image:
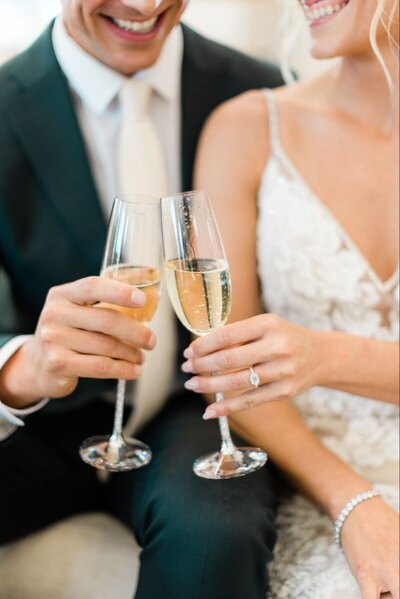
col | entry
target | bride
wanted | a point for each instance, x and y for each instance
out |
(304, 182)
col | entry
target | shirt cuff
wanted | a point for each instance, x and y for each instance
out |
(9, 417)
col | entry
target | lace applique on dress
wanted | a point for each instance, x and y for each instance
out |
(313, 275)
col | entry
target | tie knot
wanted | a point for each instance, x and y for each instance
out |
(135, 99)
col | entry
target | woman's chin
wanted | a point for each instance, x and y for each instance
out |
(326, 51)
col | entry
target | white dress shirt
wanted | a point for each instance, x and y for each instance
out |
(94, 88)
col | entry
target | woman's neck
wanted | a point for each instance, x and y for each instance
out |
(360, 88)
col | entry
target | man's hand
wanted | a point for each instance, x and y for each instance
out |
(75, 339)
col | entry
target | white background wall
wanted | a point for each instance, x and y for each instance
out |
(250, 25)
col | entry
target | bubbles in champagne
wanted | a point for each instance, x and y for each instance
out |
(200, 291)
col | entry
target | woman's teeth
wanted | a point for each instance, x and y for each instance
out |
(317, 11)
(136, 26)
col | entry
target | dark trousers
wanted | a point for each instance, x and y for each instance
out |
(201, 539)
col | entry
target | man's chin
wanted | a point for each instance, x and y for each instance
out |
(138, 63)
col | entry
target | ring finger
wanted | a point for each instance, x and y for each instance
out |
(237, 357)
(238, 380)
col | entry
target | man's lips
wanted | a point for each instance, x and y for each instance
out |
(136, 27)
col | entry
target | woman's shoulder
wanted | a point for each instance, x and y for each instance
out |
(246, 115)
(237, 114)
(237, 132)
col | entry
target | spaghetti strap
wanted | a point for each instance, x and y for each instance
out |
(274, 137)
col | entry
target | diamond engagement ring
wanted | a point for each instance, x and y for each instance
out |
(254, 378)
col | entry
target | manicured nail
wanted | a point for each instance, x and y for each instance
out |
(209, 414)
(188, 353)
(187, 366)
(192, 384)
(138, 297)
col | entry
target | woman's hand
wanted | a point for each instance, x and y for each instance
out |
(287, 358)
(370, 541)
(74, 339)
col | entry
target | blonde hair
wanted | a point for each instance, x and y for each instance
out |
(387, 19)
(292, 25)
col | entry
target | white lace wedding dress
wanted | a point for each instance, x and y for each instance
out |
(313, 275)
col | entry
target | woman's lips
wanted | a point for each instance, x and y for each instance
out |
(319, 12)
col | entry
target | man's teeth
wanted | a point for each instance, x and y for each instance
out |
(316, 11)
(136, 26)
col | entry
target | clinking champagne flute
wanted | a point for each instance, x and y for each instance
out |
(198, 282)
(133, 254)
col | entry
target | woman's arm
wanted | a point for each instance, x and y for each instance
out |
(232, 157)
(289, 358)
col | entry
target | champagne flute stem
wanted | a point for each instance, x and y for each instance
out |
(227, 447)
(119, 412)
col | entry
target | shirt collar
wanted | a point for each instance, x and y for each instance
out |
(97, 84)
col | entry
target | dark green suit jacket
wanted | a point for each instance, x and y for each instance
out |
(51, 227)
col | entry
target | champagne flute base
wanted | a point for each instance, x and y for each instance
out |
(219, 465)
(128, 455)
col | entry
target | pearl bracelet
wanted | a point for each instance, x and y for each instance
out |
(349, 507)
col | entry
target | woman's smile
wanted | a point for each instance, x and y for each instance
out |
(318, 12)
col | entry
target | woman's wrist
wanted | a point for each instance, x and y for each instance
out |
(333, 353)
(342, 494)
(351, 505)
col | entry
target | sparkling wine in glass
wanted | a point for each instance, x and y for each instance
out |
(133, 255)
(198, 282)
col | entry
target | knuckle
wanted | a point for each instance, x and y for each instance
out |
(247, 402)
(291, 368)
(89, 284)
(108, 320)
(288, 389)
(53, 293)
(145, 336)
(272, 320)
(67, 385)
(111, 346)
(138, 357)
(225, 361)
(47, 334)
(129, 372)
(236, 382)
(48, 315)
(103, 366)
(224, 336)
(55, 362)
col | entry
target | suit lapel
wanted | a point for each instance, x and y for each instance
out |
(45, 124)
(196, 102)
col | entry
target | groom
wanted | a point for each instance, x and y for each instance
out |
(60, 119)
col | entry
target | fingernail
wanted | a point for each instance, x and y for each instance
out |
(138, 297)
(192, 384)
(152, 341)
(187, 366)
(188, 353)
(209, 414)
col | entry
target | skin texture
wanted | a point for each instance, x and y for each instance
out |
(87, 23)
(356, 119)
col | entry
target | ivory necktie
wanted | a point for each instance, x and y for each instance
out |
(140, 160)
(141, 169)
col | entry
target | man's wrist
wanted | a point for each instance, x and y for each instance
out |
(17, 388)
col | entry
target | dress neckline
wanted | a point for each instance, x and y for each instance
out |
(278, 153)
